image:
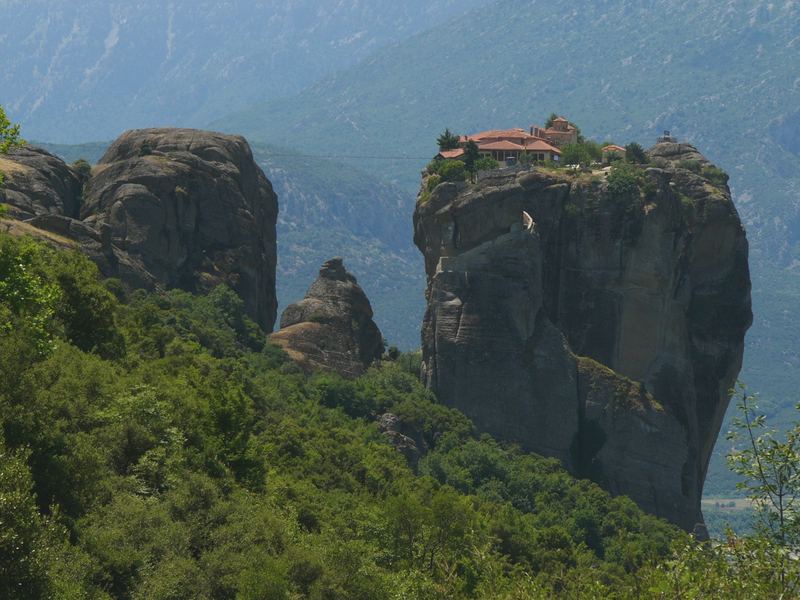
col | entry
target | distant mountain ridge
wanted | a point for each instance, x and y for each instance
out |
(76, 71)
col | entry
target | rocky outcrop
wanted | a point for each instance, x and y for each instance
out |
(38, 183)
(332, 327)
(407, 440)
(608, 335)
(163, 208)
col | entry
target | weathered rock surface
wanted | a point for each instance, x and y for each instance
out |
(38, 183)
(332, 327)
(163, 208)
(609, 335)
(407, 441)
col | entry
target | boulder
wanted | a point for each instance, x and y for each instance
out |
(332, 327)
(38, 183)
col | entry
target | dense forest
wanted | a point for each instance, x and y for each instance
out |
(153, 446)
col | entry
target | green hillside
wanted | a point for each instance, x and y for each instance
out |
(173, 455)
(153, 447)
(723, 76)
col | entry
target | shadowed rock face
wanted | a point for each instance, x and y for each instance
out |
(332, 327)
(163, 208)
(609, 335)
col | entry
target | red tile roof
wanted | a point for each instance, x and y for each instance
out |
(614, 148)
(451, 153)
(501, 145)
(516, 139)
(542, 146)
(496, 133)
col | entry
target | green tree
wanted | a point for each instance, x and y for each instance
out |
(634, 153)
(28, 298)
(9, 133)
(22, 572)
(770, 470)
(471, 156)
(594, 149)
(447, 140)
(575, 154)
(9, 136)
(550, 120)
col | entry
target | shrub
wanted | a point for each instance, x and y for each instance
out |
(623, 181)
(432, 182)
(433, 167)
(715, 175)
(83, 168)
(486, 163)
(690, 165)
(453, 170)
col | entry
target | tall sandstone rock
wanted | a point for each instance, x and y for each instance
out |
(332, 327)
(164, 208)
(608, 335)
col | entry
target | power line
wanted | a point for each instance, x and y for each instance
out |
(345, 156)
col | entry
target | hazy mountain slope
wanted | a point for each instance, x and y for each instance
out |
(85, 69)
(722, 75)
(329, 209)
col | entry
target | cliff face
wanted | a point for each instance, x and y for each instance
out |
(163, 208)
(332, 327)
(606, 336)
